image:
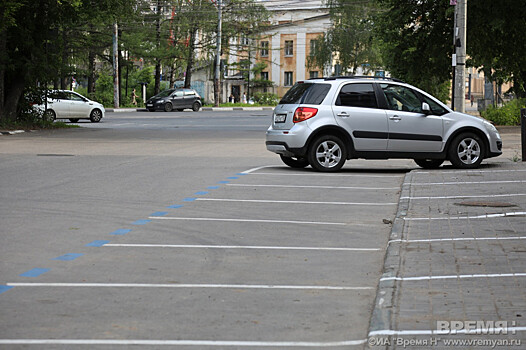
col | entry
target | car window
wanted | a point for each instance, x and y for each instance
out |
(74, 97)
(307, 93)
(357, 95)
(57, 95)
(436, 109)
(165, 93)
(189, 93)
(401, 98)
(178, 94)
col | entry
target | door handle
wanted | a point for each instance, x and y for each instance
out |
(395, 117)
(343, 114)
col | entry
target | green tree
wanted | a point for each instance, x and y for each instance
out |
(417, 42)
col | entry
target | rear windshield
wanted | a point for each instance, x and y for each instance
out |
(307, 93)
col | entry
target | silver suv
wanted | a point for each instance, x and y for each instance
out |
(323, 122)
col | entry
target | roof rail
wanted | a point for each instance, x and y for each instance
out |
(359, 77)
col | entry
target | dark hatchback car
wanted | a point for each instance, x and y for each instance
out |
(175, 99)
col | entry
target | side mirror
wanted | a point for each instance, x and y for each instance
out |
(426, 109)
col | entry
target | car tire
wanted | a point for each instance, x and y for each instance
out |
(151, 110)
(466, 151)
(49, 115)
(429, 163)
(196, 106)
(74, 120)
(168, 107)
(327, 153)
(95, 116)
(295, 162)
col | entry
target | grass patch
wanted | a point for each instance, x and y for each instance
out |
(34, 125)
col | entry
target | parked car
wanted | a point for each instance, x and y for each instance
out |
(175, 99)
(65, 104)
(324, 122)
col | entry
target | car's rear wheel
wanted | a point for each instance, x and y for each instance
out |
(466, 151)
(327, 153)
(168, 107)
(429, 163)
(196, 106)
(295, 162)
(95, 116)
(73, 120)
(50, 115)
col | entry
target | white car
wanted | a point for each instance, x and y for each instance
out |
(65, 104)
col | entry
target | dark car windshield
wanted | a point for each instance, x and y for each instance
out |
(165, 93)
(307, 93)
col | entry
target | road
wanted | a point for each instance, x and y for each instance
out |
(179, 230)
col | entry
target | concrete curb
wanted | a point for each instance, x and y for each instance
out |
(381, 318)
(214, 109)
(13, 132)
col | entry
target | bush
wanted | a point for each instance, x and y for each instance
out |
(266, 99)
(508, 114)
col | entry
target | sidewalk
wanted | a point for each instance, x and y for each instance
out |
(456, 258)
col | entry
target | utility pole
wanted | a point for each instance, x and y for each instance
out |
(115, 66)
(459, 97)
(217, 75)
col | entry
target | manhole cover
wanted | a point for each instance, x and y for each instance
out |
(486, 204)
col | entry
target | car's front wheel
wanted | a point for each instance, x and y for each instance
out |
(168, 107)
(294, 162)
(466, 151)
(50, 115)
(196, 106)
(327, 153)
(95, 116)
(429, 163)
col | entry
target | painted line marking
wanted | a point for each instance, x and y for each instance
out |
(258, 168)
(141, 222)
(474, 196)
(159, 213)
(492, 330)
(213, 187)
(189, 199)
(121, 231)
(98, 243)
(426, 278)
(233, 177)
(288, 202)
(5, 289)
(241, 174)
(68, 257)
(175, 206)
(34, 272)
(241, 247)
(222, 343)
(200, 193)
(455, 239)
(327, 175)
(249, 220)
(485, 216)
(326, 187)
(463, 183)
(224, 286)
(223, 182)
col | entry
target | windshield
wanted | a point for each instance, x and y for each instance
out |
(307, 93)
(165, 93)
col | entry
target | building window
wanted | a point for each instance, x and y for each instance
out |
(288, 79)
(313, 44)
(313, 74)
(289, 48)
(244, 40)
(264, 49)
(264, 75)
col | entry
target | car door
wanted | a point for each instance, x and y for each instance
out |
(58, 101)
(410, 129)
(356, 110)
(189, 98)
(177, 99)
(79, 107)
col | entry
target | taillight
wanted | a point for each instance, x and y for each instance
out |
(304, 113)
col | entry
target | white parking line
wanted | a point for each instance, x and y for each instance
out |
(182, 286)
(484, 216)
(240, 247)
(289, 202)
(329, 175)
(463, 183)
(427, 278)
(326, 187)
(492, 330)
(256, 169)
(455, 239)
(473, 196)
(469, 171)
(222, 343)
(248, 220)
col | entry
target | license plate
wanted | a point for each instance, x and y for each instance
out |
(280, 118)
(149, 105)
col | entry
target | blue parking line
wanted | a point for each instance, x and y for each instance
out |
(141, 222)
(241, 174)
(69, 257)
(175, 206)
(200, 193)
(121, 231)
(189, 199)
(34, 272)
(233, 177)
(223, 182)
(213, 187)
(98, 243)
(159, 213)
(4, 288)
